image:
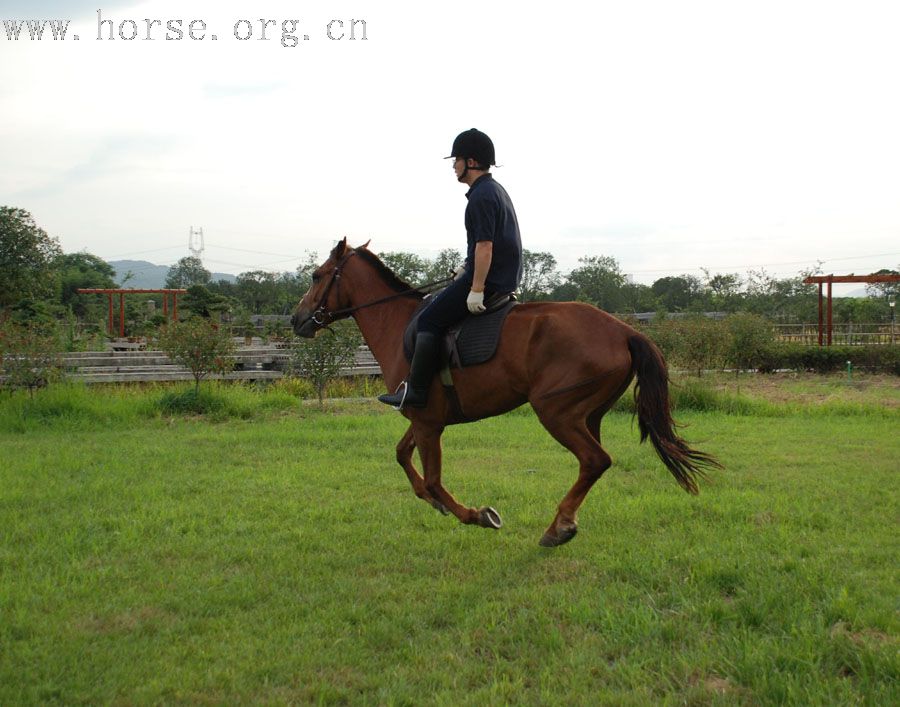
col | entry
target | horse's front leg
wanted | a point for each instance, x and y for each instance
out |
(428, 441)
(405, 448)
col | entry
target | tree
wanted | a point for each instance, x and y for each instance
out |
(33, 313)
(26, 258)
(637, 298)
(289, 288)
(599, 281)
(724, 291)
(29, 356)
(200, 301)
(861, 310)
(199, 345)
(539, 275)
(186, 272)
(443, 265)
(407, 266)
(258, 291)
(305, 271)
(676, 293)
(887, 290)
(781, 299)
(82, 270)
(321, 358)
(565, 291)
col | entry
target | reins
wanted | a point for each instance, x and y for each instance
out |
(323, 317)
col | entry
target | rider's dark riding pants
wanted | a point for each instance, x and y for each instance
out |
(447, 307)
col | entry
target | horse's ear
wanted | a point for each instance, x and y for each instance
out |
(366, 244)
(340, 249)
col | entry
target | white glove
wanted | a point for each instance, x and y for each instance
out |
(475, 302)
(458, 273)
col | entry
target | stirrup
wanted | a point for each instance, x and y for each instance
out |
(405, 387)
(389, 398)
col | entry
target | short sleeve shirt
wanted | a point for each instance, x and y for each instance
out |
(490, 216)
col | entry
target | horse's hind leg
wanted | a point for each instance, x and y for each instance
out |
(581, 436)
(405, 448)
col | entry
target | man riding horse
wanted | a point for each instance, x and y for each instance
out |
(493, 264)
(569, 360)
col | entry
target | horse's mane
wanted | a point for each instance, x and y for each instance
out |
(389, 276)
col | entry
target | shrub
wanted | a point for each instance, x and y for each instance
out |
(750, 340)
(666, 336)
(192, 401)
(297, 387)
(697, 343)
(29, 356)
(705, 343)
(828, 359)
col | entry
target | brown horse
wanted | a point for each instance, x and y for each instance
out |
(571, 361)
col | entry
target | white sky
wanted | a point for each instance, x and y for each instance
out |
(669, 135)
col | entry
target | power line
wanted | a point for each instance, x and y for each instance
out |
(285, 258)
(141, 252)
(765, 265)
(261, 266)
(258, 252)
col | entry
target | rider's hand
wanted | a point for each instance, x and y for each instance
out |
(475, 302)
(458, 273)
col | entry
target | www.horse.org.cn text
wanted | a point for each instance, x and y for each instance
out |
(290, 32)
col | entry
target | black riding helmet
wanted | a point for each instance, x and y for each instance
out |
(475, 144)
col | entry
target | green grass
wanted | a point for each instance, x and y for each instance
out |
(808, 390)
(283, 558)
(695, 395)
(80, 407)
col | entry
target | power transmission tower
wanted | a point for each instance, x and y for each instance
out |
(195, 241)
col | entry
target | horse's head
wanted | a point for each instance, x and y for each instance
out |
(325, 297)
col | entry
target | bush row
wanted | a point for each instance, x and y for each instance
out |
(747, 342)
(826, 359)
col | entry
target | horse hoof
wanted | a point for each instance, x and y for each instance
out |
(438, 506)
(489, 518)
(561, 538)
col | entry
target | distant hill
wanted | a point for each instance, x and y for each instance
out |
(148, 276)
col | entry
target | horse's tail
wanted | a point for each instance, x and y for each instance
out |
(651, 397)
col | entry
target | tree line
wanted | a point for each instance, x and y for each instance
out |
(38, 280)
(598, 280)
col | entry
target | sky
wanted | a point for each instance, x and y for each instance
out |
(672, 136)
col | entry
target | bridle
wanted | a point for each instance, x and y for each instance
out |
(322, 317)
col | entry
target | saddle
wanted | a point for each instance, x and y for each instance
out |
(472, 341)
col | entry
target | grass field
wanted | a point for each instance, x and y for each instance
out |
(278, 555)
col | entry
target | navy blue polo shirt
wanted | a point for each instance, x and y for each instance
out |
(490, 216)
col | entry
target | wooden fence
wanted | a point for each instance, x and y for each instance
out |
(845, 334)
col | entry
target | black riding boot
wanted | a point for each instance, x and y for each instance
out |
(413, 392)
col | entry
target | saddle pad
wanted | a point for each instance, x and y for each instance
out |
(472, 341)
(477, 336)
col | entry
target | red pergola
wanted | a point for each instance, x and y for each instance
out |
(110, 292)
(829, 279)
